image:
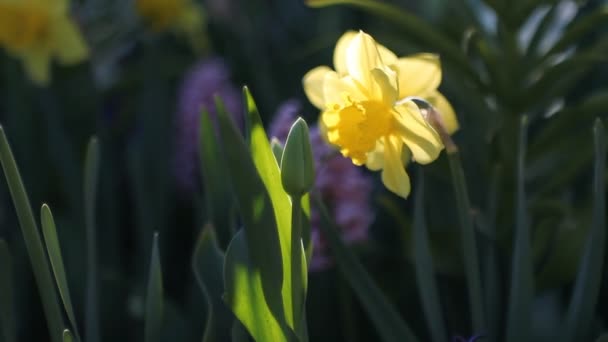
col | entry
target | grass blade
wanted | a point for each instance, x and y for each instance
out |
(469, 242)
(587, 286)
(7, 306)
(67, 336)
(33, 242)
(207, 264)
(54, 251)
(154, 297)
(91, 175)
(522, 282)
(425, 277)
(381, 312)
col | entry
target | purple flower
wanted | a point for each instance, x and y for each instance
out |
(205, 80)
(342, 186)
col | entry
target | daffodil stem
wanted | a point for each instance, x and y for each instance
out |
(297, 291)
(469, 242)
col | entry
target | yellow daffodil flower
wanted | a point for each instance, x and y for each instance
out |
(36, 31)
(182, 16)
(367, 109)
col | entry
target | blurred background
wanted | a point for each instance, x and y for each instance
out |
(151, 65)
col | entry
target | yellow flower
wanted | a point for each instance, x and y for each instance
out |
(183, 16)
(36, 31)
(367, 109)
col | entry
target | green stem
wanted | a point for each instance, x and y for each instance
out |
(469, 242)
(296, 264)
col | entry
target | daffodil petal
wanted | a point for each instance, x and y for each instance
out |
(37, 65)
(387, 56)
(394, 176)
(70, 47)
(361, 57)
(443, 106)
(384, 86)
(336, 88)
(421, 139)
(340, 52)
(418, 75)
(313, 85)
(375, 158)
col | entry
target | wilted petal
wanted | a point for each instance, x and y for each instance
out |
(313, 85)
(421, 139)
(394, 176)
(448, 116)
(418, 75)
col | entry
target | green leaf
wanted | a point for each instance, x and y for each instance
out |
(425, 277)
(579, 29)
(468, 241)
(213, 169)
(91, 175)
(238, 332)
(490, 260)
(54, 251)
(244, 294)
(154, 297)
(7, 306)
(207, 264)
(522, 282)
(381, 311)
(256, 210)
(33, 242)
(587, 286)
(414, 28)
(67, 336)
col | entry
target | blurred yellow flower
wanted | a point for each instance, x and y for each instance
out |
(36, 31)
(182, 16)
(367, 109)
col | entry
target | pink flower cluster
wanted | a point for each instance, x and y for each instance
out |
(205, 80)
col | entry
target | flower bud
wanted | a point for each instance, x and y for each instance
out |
(297, 168)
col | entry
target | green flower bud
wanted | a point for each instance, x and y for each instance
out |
(297, 168)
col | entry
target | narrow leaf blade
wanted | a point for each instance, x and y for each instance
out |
(51, 240)
(381, 312)
(154, 297)
(33, 242)
(522, 286)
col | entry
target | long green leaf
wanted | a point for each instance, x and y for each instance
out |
(381, 312)
(54, 250)
(425, 277)
(33, 242)
(244, 294)
(154, 297)
(415, 28)
(7, 306)
(91, 175)
(587, 287)
(468, 241)
(217, 197)
(256, 210)
(580, 28)
(208, 264)
(522, 282)
(269, 172)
